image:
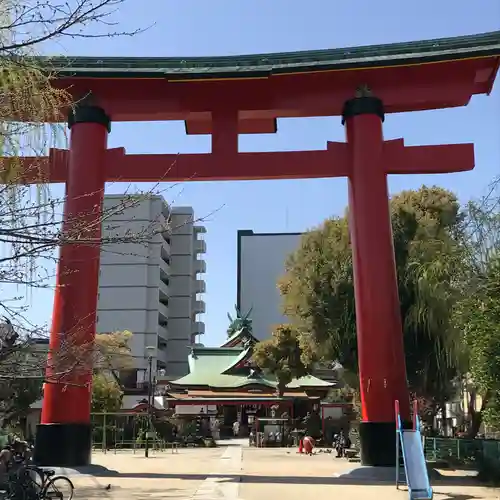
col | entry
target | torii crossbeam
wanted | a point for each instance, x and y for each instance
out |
(331, 162)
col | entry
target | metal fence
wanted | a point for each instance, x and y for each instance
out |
(112, 431)
(462, 450)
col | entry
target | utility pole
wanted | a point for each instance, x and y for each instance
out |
(150, 410)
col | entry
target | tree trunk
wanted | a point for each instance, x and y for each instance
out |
(475, 416)
(444, 418)
(476, 419)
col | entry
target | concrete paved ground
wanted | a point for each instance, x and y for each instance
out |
(162, 475)
(236, 472)
(274, 473)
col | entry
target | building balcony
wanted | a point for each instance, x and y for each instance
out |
(164, 270)
(163, 292)
(199, 286)
(165, 247)
(161, 351)
(198, 328)
(200, 246)
(199, 306)
(163, 311)
(165, 252)
(162, 334)
(199, 229)
(161, 355)
(200, 266)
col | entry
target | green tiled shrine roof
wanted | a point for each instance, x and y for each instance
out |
(208, 364)
(283, 62)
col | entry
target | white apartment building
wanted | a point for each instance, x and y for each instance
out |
(150, 281)
(261, 261)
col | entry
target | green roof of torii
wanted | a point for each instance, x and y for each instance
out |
(211, 366)
(262, 65)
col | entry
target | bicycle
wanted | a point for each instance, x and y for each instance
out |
(34, 483)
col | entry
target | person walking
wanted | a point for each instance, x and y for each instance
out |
(236, 429)
(215, 429)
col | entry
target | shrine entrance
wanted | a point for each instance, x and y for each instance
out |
(228, 96)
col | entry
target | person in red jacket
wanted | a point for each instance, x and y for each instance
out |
(309, 444)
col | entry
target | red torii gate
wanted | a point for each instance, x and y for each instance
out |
(366, 159)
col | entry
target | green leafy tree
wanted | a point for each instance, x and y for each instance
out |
(112, 355)
(17, 397)
(283, 356)
(318, 289)
(21, 374)
(113, 351)
(107, 395)
(477, 315)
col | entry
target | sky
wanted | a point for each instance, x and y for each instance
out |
(228, 27)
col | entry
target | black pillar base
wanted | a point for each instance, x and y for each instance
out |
(63, 445)
(378, 443)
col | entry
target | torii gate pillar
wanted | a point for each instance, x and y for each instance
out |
(381, 357)
(64, 437)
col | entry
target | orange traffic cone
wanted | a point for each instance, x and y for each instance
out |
(301, 447)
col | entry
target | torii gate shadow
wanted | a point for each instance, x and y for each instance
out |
(356, 476)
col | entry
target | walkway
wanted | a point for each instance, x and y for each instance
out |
(236, 472)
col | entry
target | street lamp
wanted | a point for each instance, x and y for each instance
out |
(151, 351)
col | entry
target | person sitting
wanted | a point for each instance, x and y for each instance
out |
(309, 444)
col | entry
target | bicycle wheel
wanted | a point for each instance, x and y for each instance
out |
(25, 484)
(34, 475)
(58, 488)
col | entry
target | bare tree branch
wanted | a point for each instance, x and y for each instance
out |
(29, 23)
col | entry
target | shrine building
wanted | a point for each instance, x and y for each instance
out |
(224, 380)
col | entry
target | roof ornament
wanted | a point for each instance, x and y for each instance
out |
(239, 322)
